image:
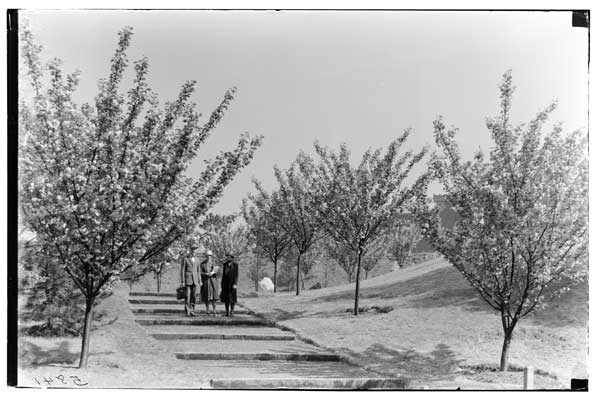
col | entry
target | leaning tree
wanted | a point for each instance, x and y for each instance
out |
(521, 235)
(104, 186)
(357, 204)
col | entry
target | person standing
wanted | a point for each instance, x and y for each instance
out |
(208, 275)
(190, 269)
(229, 284)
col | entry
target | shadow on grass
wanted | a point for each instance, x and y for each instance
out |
(441, 363)
(33, 354)
(36, 355)
(282, 315)
(279, 315)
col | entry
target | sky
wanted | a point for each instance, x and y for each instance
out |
(357, 77)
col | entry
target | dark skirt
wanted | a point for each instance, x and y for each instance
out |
(229, 296)
(208, 291)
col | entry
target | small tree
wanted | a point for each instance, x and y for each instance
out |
(255, 270)
(342, 256)
(104, 193)
(521, 236)
(53, 301)
(307, 262)
(298, 217)
(374, 253)
(161, 261)
(223, 236)
(264, 215)
(287, 276)
(357, 204)
(346, 258)
(158, 270)
(403, 238)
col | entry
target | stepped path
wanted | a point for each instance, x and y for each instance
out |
(245, 351)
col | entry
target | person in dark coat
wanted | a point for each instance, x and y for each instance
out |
(190, 271)
(229, 284)
(208, 275)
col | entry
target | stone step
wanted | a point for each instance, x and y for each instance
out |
(259, 356)
(167, 302)
(199, 315)
(311, 383)
(215, 329)
(154, 294)
(218, 336)
(165, 320)
(146, 300)
(179, 310)
(243, 350)
(252, 369)
(239, 346)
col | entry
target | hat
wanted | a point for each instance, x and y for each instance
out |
(208, 253)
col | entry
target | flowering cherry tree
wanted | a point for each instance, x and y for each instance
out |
(356, 205)
(521, 236)
(309, 260)
(158, 263)
(223, 236)
(403, 238)
(299, 219)
(346, 258)
(374, 252)
(264, 215)
(104, 186)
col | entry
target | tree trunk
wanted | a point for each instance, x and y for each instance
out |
(87, 328)
(298, 275)
(357, 283)
(158, 281)
(275, 276)
(366, 274)
(256, 276)
(508, 331)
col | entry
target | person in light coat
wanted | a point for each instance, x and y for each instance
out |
(208, 276)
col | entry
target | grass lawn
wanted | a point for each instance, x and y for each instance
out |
(440, 333)
(122, 355)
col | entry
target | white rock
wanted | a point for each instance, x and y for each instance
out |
(266, 285)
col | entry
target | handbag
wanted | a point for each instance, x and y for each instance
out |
(180, 292)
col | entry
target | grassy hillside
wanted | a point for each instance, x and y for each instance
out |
(439, 330)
